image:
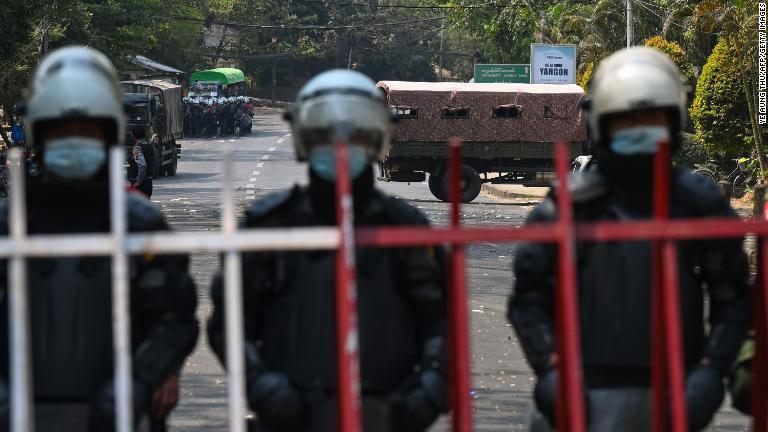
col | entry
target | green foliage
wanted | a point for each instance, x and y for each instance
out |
(584, 76)
(719, 111)
(676, 53)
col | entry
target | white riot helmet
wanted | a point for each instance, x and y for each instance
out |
(633, 79)
(79, 83)
(340, 97)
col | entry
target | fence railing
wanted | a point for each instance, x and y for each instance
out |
(666, 361)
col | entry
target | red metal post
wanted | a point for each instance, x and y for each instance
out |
(457, 307)
(570, 392)
(667, 352)
(347, 362)
(759, 388)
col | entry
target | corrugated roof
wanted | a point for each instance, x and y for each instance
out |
(478, 87)
(151, 64)
(152, 83)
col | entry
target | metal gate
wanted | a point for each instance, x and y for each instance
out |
(667, 363)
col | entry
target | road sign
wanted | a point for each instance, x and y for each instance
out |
(502, 73)
(553, 64)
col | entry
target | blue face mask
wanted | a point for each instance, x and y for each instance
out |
(638, 140)
(74, 158)
(322, 160)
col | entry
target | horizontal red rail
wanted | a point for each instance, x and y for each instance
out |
(681, 229)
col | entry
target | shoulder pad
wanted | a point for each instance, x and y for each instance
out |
(698, 194)
(584, 186)
(401, 212)
(143, 215)
(271, 203)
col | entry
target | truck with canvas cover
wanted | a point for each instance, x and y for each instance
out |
(156, 105)
(509, 132)
(216, 83)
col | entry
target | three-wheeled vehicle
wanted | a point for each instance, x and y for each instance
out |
(509, 132)
(156, 105)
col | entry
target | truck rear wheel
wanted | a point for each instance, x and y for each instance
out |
(435, 183)
(470, 185)
(174, 165)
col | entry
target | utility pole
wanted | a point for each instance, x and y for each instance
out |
(440, 72)
(349, 57)
(630, 32)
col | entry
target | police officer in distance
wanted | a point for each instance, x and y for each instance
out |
(638, 103)
(74, 115)
(289, 296)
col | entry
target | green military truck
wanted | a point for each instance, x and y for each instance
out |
(156, 105)
(509, 132)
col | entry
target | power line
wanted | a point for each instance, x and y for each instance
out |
(306, 27)
(490, 4)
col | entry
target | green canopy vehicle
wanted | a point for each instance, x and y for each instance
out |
(217, 83)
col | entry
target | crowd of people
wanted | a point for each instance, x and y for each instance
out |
(217, 117)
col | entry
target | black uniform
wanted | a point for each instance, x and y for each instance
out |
(71, 311)
(289, 313)
(614, 280)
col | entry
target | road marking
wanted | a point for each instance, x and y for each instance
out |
(231, 140)
(253, 179)
(265, 157)
(281, 140)
(219, 140)
(273, 148)
(288, 134)
(250, 185)
(260, 164)
(255, 173)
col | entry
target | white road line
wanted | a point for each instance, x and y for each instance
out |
(288, 134)
(265, 157)
(273, 148)
(253, 179)
(260, 164)
(256, 173)
(219, 140)
(231, 140)
(281, 140)
(250, 185)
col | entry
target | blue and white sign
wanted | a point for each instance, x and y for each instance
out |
(553, 64)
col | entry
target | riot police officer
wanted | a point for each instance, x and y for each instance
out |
(74, 115)
(638, 102)
(288, 296)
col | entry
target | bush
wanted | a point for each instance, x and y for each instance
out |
(676, 53)
(585, 75)
(719, 111)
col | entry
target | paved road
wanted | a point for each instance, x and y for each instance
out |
(264, 163)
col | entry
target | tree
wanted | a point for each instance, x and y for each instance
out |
(676, 53)
(736, 20)
(719, 112)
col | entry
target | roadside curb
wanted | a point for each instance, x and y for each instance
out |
(495, 191)
(268, 103)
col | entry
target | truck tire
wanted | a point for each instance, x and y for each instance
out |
(172, 167)
(470, 185)
(435, 183)
(158, 164)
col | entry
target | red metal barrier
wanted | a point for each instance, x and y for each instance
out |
(667, 366)
(570, 412)
(346, 300)
(759, 389)
(668, 372)
(459, 380)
